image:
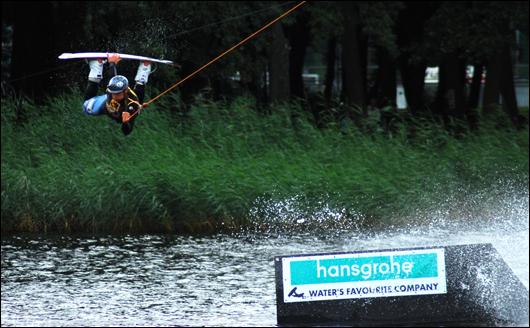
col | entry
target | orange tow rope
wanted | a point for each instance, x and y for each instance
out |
(221, 55)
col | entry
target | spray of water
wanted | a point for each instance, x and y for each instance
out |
(294, 214)
(504, 204)
(498, 215)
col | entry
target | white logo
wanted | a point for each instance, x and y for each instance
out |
(119, 84)
(89, 104)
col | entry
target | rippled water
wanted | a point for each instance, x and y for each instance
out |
(219, 280)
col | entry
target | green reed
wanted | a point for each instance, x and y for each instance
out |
(183, 168)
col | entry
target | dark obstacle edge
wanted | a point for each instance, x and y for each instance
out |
(482, 290)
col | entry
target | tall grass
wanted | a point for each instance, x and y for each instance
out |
(218, 161)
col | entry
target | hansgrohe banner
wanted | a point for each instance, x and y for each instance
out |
(362, 275)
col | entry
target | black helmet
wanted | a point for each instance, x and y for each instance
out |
(117, 84)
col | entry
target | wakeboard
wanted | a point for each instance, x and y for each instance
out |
(82, 55)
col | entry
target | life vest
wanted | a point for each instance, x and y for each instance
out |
(115, 108)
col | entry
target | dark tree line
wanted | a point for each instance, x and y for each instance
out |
(405, 36)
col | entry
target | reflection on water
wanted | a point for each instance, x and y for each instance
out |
(136, 281)
(219, 280)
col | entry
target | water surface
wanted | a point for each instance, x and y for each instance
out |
(214, 280)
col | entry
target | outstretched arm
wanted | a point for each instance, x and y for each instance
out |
(114, 59)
